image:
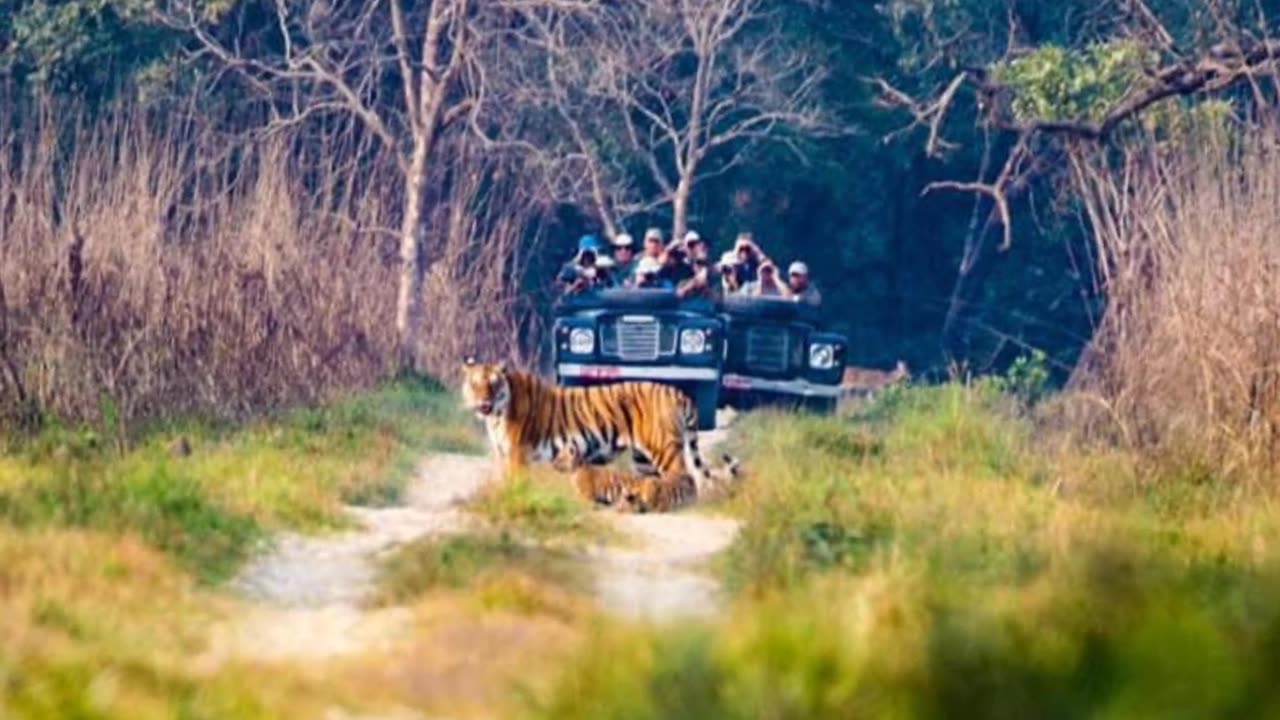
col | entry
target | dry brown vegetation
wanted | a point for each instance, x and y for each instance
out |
(155, 269)
(1186, 358)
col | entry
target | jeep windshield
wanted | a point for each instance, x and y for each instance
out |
(770, 308)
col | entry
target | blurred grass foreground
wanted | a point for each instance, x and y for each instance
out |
(942, 551)
(947, 552)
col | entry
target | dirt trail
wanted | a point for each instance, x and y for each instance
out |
(306, 594)
(659, 572)
(307, 591)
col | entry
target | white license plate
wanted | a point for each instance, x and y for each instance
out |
(602, 372)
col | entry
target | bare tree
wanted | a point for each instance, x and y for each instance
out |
(395, 66)
(655, 97)
(1230, 52)
(1240, 56)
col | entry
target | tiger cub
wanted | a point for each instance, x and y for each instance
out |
(662, 494)
(635, 492)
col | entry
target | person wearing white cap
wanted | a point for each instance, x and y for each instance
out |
(730, 279)
(653, 245)
(624, 257)
(697, 247)
(704, 280)
(802, 290)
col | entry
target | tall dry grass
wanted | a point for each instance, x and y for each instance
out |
(150, 269)
(1188, 355)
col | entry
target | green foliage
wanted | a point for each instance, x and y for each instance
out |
(167, 509)
(1057, 83)
(824, 493)
(464, 560)
(1027, 379)
(945, 571)
(538, 504)
(1187, 124)
(80, 46)
(209, 508)
(1101, 645)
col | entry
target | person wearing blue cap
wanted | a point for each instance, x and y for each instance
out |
(586, 271)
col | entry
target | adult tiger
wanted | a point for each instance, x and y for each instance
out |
(528, 419)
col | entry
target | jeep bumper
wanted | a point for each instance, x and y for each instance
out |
(637, 372)
(798, 387)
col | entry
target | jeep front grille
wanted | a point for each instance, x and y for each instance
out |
(767, 348)
(638, 341)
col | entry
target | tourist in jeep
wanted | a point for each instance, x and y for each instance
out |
(731, 282)
(649, 274)
(750, 258)
(584, 272)
(704, 281)
(653, 245)
(675, 265)
(696, 246)
(767, 284)
(802, 290)
(624, 258)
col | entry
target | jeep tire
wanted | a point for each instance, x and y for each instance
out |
(706, 396)
(820, 405)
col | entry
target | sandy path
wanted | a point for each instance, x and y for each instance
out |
(659, 572)
(307, 591)
(314, 572)
(306, 595)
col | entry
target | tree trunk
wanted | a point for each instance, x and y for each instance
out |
(409, 299)
(680, 209)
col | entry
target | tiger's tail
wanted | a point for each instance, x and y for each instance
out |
(731, 469)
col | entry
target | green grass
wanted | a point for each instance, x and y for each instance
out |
(538, 504)
(468, 561)
(208, 509)
(98, 626)
(167, 509)
(937, 555)
(107, 557)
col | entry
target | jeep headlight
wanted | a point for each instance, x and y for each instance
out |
(822, 356)
(693, 341)
(582, 341)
